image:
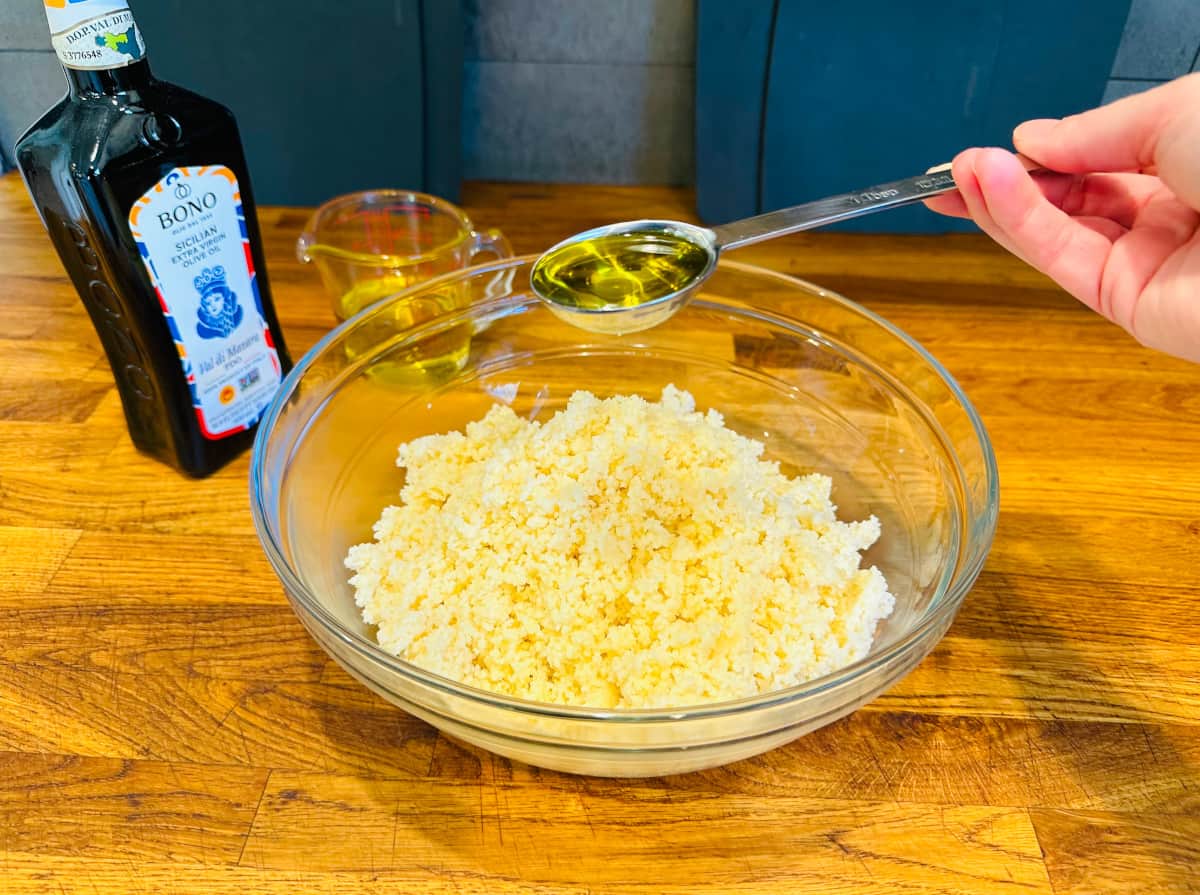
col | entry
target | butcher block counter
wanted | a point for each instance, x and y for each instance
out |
(167, 726)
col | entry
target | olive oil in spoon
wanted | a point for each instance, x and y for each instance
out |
(619, 270)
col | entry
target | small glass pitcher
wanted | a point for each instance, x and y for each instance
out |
(370, 245)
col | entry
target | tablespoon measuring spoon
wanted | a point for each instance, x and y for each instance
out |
(602, 308)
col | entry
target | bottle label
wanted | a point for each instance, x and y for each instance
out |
(94, 34)
(191, 231)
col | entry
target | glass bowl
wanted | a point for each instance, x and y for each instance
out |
(825, 384)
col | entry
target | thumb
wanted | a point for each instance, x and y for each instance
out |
(1157, 130)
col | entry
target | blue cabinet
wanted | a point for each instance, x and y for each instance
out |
(798, 100)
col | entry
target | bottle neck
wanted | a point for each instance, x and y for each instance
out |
(99, 45)
(108, 81)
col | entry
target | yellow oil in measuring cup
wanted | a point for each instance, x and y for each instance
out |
(369, 246)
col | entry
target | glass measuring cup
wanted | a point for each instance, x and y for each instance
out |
(373, 244)
(370, 245)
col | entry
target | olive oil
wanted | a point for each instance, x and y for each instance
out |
(619, 270)
(367, 292)
(434, 357)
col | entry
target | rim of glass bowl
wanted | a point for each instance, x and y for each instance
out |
(945, 602)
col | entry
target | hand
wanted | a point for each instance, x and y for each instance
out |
(1119, 228)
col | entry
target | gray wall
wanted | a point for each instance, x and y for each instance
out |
(581, 90)
(31, 80)
(1161, 42)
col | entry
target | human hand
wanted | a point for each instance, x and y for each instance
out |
(1119, 227)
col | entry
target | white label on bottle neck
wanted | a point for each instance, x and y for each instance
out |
(190, 229)
(94, 34)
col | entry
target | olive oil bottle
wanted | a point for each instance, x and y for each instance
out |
(144, 191)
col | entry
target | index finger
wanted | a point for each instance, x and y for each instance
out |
(1151, 131)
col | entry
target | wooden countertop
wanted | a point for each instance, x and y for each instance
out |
(167, 726)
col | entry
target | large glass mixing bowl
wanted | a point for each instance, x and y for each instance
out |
(825, 384)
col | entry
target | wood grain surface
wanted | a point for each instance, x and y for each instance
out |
(166, 725)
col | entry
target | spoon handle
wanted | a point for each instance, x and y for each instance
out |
(836, 208)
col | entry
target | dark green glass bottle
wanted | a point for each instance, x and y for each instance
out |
(144, 190)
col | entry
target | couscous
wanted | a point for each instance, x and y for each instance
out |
(622, 554)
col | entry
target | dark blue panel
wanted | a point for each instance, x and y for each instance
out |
(329, 99)
(867, 92)
(732, 50)
(1054, 60)
(442, 67)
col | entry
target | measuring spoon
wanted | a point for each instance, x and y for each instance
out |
(606, 312)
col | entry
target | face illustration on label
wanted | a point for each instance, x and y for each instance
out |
(218, 313)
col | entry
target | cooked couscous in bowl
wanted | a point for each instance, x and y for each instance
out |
(625, 556)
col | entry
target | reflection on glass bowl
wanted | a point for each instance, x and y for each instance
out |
(825, 384)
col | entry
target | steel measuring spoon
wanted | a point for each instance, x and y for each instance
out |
(622, 319)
